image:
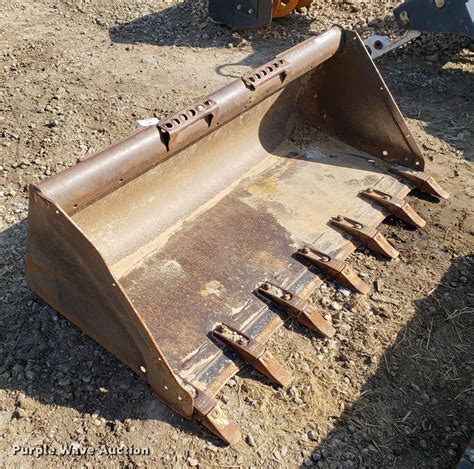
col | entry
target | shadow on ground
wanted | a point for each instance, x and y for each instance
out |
(196, 31)
(422, 387)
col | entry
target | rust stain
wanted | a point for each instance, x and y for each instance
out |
(223, 254)
(264, 188)
(271, 262)
(214, 287)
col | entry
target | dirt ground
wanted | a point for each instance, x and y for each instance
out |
(394, 388)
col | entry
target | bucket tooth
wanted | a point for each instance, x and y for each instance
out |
(369, 237)
(334, 268)
(297, 308)
(422, 181)
(254, 353)
(208, 413)
(397, 207)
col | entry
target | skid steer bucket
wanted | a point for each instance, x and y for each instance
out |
(184, 247)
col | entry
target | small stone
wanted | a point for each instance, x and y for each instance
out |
(384, 299)
(312, 435)
(293, 392)
(193, 462)
(36, 442)
(5, 417)
(64, 381)
(345, 328)
(345, 291)
(336, 306)
(211, 447)
(325, 301)
(251, 441)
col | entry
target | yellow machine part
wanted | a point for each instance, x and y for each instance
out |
(282, 8)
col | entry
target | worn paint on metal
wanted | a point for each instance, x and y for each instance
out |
(167, 234)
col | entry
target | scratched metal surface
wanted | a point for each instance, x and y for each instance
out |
(206, 272)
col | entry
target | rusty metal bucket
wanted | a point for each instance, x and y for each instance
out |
(184, 247)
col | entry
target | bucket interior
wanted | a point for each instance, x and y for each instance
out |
(191, 238)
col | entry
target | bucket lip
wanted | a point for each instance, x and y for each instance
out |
(68, 188)
(108, 169)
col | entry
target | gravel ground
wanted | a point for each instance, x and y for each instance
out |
(392, 389)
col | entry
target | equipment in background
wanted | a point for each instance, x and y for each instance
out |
(413, 16)
(433, 16)
(251, 14)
